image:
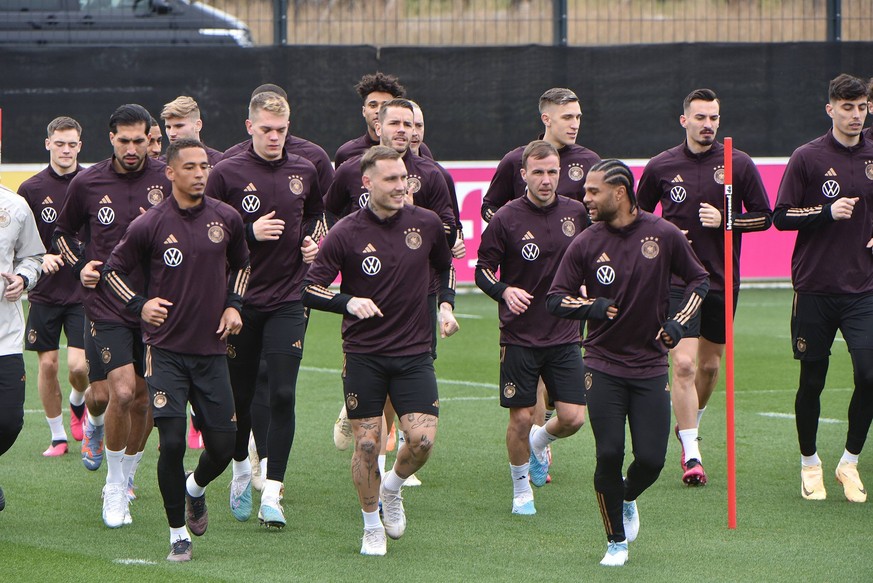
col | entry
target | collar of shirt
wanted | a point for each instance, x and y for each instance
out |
(539, 209)
(277, 163)
(841, 148)
(715, 149)
(374, 218)
(64, 177)
(188, 213)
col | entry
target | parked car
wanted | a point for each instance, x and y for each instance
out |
(118, 22)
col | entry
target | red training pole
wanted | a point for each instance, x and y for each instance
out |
(729, 329)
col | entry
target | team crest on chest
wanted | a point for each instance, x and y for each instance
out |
(830, 188)
(414, 183)
(295, 183)
(413, 238)
(49, 215)
(576, 172)
(568, 227)
(156, 195)
(5, 218)
(868, 170)
(215, 232)
(650, 248)
(718, 175)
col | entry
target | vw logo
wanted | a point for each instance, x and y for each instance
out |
(363, 199)
(49, 215)
(530, 252)
(172, 257)
(605, 275)
(678, 194)
(371, 265)
(251, 203)
(831, 188)
(106, 215)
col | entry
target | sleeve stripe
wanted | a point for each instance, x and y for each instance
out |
(453, 278)
(490, 276)
(68, 254)
(573, 303)
(241, 282)
(684, 315)
(119, 287)
(803, 212)
(320, 291)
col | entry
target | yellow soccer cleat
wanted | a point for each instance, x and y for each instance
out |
(847, 475)
(812, 483)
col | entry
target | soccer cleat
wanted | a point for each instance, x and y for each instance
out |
(394, 517)
(56, 449)
(812, 483)
(180, 550)
(524, 506)
(391, 443)
(128, 519)
(630, 518)
(255, 462)
(374, 542)
(92, 446)
(270, 514)
(538, 469)
(2, 500)
(195, 438)
(694, 474)
(549, 457)
(342, 431)
(241, 497)
(412, 481)
(682, 448)
(616, 555)
(114, 505)
(847, 475)
(131, 489)
(77, 424)
(196, 514)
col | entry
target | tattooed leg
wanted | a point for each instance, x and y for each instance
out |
(420, 431)
(365, 466)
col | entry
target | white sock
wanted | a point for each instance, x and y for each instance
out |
(179, 533)
(95, 421)
(263, 465)
(381, 465)
(76, 397)
(194, 489)
(136, 459)
(372, 520)
(114, 471)
(56, 424)
(849, 458)
(242, 468)
(699, 415)
(540, 439)
(272, 490)
(520, 481)
(810, 460)
(689, 442)
(392, 482)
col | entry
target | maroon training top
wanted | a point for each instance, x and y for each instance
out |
(361, 144)
(303, 148)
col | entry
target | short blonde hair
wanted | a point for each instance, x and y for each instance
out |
(182, 106)
(269, 101)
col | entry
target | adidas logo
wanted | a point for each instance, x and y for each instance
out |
(369, 248)
(171, 239)
(527, 236)
(831, 172)
(106, 200)
(677, 178)
(298, 344)
(604, 258)
(250, 188)
(48, 200)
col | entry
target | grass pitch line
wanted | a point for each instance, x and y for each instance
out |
(133, 562)
(791, 416)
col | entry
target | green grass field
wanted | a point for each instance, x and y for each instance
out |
(460, 527)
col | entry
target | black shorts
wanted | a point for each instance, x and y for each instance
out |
(278, 331)
(815, 320)
(559, 366)
(410, 381)
(44, 324)
(175, 379)
(708, 322)
(110, 346)
(12, 383)
(435, 320)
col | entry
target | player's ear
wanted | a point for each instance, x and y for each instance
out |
(168, 171)
(683, 120)
(829, 109)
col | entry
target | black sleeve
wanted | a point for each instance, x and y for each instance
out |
(320, 297)
(120, 286)
(795, 219)
(578, 308)
(487, 281)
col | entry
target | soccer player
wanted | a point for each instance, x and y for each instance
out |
(277, 195)
(182, 120)
(187, 244)
(102, 200)
(688, 182)
(156, 139)
(385, 252)
(625, 261)
(525, 240)
(561, 115)
(825, 196)
(56, 300)
(375, 90)
(20, 269)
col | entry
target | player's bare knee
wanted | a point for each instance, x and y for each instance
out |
(48, 367)
(684, 366)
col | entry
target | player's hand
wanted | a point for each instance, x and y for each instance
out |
(51, 263)
(670, 334)
(266, 228)
(14, 286)
(155, 312)
(309, 249)
(517, 300)
(459, 250)
(870, 244)
(142, 211)
(842, 208)
(363, 308)
(710, 217)
(230, 323)
(90, 275)
(408, 198)
(685, 232)
(448, 324)
(611, 312)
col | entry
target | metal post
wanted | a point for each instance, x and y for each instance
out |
(560, 22)
(280, 22)
(835, 20)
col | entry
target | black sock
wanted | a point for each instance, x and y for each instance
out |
(56, 442)
(79, 410)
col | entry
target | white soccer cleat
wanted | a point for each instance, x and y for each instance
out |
(115, 510)
(616, 555)
(412, 481)
(342, 431)
(374, 542)
(393, 514)
(630, 517)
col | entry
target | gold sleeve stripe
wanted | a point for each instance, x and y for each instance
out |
(148, 362)
(119, 287)
(803, 212)
(749, 223)
(688, 311)
(572, 303)
(453, 276)
(68, 254)
(241, 283)
(604, 515)
(320, 291)
(489, 275)
(488, 214)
